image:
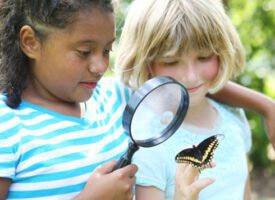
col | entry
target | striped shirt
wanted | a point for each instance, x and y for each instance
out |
(48, 155)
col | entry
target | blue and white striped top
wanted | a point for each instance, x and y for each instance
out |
(51, 156)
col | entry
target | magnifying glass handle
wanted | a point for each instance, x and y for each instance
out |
(126, 158)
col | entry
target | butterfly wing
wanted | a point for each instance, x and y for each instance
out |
(200, 156)
(189, 156)
(207, 148)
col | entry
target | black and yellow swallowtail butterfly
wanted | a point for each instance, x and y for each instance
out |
(200, 156)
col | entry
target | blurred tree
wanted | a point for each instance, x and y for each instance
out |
(225, 2)
(255, 21)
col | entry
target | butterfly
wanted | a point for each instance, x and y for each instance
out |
(200, 156)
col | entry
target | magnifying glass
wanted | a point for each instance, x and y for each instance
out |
(153, 113)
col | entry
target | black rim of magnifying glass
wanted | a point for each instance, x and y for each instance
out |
(138, 97)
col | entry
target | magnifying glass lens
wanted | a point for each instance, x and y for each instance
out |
(155, 113)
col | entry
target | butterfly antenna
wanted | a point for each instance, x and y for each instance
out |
(220, 137)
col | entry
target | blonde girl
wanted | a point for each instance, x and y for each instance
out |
(194, 42)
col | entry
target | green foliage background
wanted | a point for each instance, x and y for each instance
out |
(255, 22)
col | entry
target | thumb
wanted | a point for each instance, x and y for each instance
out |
(201, 184)
(106, 167)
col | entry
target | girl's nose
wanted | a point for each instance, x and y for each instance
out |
(98, 65)
(189, 72)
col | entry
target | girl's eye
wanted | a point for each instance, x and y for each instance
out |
(205, 57)
(83, 54)
(106, 52)
(171, 63)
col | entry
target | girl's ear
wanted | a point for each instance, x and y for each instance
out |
(29, 43)
(150, 71)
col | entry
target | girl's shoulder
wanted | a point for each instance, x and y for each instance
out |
(4, 109)
(229, 112)
(234, 121)
(112, 83)
(8, 119)
(109, 96)
(112, 88)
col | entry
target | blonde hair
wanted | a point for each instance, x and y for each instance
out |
(156, 28)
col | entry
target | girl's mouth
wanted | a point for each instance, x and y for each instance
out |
(90, 85)
(193, 89)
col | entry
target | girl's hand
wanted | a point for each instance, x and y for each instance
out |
(187, 185)
(105, 184)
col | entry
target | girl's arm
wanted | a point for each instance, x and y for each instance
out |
(4, 187)
(148, 193)
(247, 192)
(240, 96)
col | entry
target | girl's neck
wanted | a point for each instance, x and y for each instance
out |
(73, 109)
(203, 115)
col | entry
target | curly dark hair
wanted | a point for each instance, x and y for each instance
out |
(38, 14)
